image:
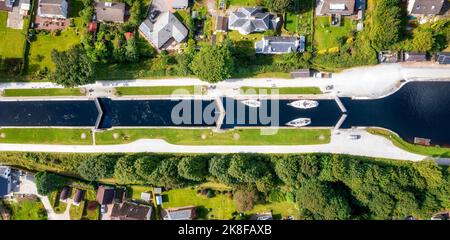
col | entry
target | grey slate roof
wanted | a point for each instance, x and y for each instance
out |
(343, 7)
(113, 13)
(443, 58)
(52, 7)
(166, 27)
(184, 213)
(248, 20)
(180, 4)
(5, 178)
(130, 211)
(3, 187)
(277, 45)
(426, 7)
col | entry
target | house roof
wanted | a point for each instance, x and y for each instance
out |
(443, 57)
(273, 45)
(183, 213)
(4, 186)
(105, 195)
(64, 193)
(130, 211)
(119, 195)
(426, 6)
(166, 27)
(51, 7)
(248, 20)
(221, 23)
(415, 57)
(78, 196)
(343, 7)
(301, 73)
(115, 12)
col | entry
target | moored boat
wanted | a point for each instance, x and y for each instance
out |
(299, 122)
(304, 104)
(252, 103)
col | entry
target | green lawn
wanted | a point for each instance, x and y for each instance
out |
(136, 190)
(27, 209)
(45, 136)
(291, 90)
(42, 92)
(42, 46)
(179, 90)
(58, 206)
(208, 137)
(423, 150)
(11, 40)
(249, 3)
(326, 36)
(76, 212)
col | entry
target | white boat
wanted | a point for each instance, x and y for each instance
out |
(304, 104)
(252, 103)
(299, 122)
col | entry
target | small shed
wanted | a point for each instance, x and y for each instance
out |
(301, 73)
(64, 194)
(92, 27)
(159, 200)
(157, 190)
(221, 24)
(78, 196)
(415, 57)
(146, 196)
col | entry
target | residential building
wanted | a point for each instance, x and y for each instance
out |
(120, 195)
(110, 12)
(64, 195)
(425, 7)
(52, 9)
(252, 19)
(340, 7)
(78, 197)
(7, 4)
(415, 57)
(130, 211)
(278, 45)
(165, 32)
(443, 58)
(105, 195)
(262, 216)
(182, 213)
(179, 4)
(5, 181)
(221, 24)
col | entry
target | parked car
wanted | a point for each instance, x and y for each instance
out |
(354, 137)
(302, 43)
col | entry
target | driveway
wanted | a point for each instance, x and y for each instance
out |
(15, 20)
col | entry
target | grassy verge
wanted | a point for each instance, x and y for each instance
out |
(289, 90)
(42, 92)
(46, 136)
(208, 137)
(423, 150)
(160, 90)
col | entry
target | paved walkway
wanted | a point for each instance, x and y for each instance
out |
(368, 145)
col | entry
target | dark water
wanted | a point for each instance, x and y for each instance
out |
(419, 109)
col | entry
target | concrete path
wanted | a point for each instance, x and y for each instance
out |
(368, 145)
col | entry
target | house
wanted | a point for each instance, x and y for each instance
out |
(179, 4)
(78, 196)
(340, 7)
(221, 24)
(164, 32)
(52, 9)
(443, 58)
(301, 73)
(262, 216)
(278, 45)
(105, 195)
(425, 7)
(5, 181)
(415, 57)
(119, 195)
(7, 5)
(252, 19)
(182, 213)
(64, 195)
(130, 211)
(110, 12)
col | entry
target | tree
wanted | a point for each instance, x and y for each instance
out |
(245, 198)
(287, 169)
(48, 182)
(86, 15)
(131, 50)
(423, 40)
(280, 6)
(213, 64)
(97, 167)
(218, 168)
(137, 12)
(73, 67)
(318, 200)
(145, 166)
(125, 171)
(247, 169)
(386, 21)
(166, 174)
(193, 168)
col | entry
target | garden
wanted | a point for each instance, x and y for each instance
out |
(327, 37)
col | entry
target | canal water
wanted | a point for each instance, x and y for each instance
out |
(419, 109)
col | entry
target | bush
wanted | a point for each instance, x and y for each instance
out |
(245, 198)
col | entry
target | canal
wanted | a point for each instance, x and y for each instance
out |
(418, 109)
